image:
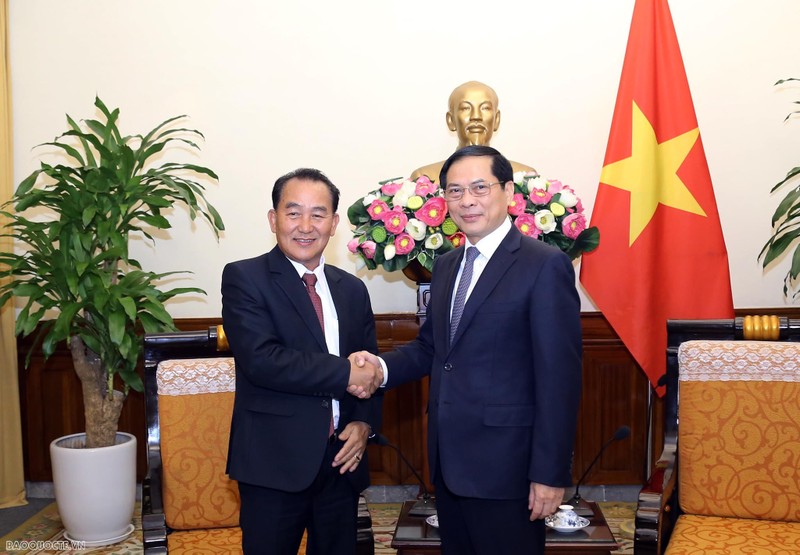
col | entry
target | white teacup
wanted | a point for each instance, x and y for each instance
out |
(565, 517)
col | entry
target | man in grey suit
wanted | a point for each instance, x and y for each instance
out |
(502, 345)
(298, 441)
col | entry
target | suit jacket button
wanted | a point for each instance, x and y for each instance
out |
(325, 403)
(448, 367)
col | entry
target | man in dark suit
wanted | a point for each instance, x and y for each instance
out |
(502, 345)
(298, 441)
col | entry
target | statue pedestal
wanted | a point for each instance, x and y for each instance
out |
(417, 273)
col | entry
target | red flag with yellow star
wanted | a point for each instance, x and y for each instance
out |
(661, 254)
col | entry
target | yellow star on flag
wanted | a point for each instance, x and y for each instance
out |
(650, 174)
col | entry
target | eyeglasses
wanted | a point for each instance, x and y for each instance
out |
(479, 189)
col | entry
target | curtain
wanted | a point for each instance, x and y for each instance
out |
(12, 480)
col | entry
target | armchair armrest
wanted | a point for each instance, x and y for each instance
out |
(657, 508)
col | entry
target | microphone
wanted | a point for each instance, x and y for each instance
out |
(621, 433)
(426, 505)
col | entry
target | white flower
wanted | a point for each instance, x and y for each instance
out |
(369, 198)
(567, 198)
(360, 263)
(434, 241)
(409, 187)
(536, 182)
(416, 228)
(545, 220)
(389, 251)
(519, 177)
(401, 197)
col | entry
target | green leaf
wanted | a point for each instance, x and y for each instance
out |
(116, 326)
(159, 222)
(129, 306)
(158, 312)
(26, 185)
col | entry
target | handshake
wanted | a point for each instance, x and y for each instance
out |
(366, 374)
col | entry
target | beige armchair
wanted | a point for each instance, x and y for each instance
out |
(728, 480)
(189, 504)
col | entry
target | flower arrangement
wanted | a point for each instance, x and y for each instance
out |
(407, 220)
(548, 210)
(402, 221)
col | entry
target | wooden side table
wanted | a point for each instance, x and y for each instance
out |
(414, 536)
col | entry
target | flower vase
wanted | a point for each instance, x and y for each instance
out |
(420, 275)
(417, 273)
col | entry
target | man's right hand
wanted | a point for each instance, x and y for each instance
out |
(366, 374)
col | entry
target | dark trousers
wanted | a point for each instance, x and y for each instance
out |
(273, 521)
(472, 526)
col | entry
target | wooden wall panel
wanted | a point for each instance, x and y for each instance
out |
(615, 392)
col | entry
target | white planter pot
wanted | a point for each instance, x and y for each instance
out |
(95, 488)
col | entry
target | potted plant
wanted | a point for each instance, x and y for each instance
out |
(786, 225)
(72, 222)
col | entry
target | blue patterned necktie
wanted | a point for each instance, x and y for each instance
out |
(461, 293)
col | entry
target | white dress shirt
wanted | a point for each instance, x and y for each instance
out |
(329, 316)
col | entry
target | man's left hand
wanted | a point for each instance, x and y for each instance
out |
(355, 436)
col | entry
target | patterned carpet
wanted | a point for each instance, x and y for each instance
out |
(42, 534)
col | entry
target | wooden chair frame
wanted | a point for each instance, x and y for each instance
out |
(157, 348)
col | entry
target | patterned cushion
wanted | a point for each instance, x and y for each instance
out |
(710, 535)
(195, 402)
(739, 432)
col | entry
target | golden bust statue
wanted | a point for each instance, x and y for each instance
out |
(474, 115)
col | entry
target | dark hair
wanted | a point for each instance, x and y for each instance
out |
(501, 167)
(306, 174)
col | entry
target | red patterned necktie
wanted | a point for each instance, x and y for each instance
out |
(311, 280)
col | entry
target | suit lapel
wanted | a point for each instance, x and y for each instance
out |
(287, 279)
(441, 303)
(498, 265)
(341, 302)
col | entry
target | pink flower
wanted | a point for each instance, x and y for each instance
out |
(389, 189)
(573, 225)
(404, 243)
(433, 212)
(457, 239)
(425, 186)
(526, 223)
(395, 220)
(554, 186)
(377, 209)
(369, 249)
(540, 196)
(517, 205)
(352, 245)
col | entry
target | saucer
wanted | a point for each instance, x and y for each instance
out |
(550, 523)
(433, 520)
(99, 543)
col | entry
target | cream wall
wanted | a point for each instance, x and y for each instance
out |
(358, 88)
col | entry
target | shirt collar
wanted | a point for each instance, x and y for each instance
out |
(491, 242)
(319, 271)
